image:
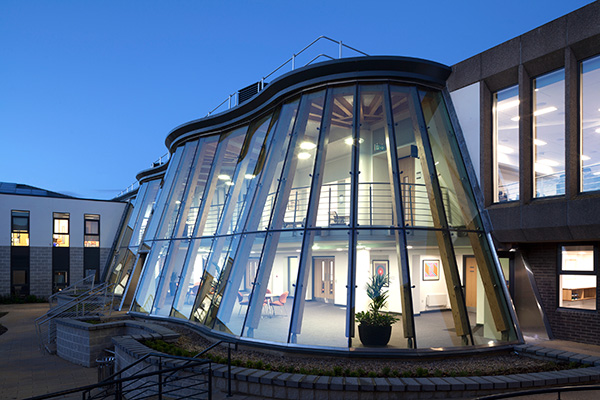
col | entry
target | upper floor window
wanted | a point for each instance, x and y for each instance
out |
(506, 144)
(577, 278)
(590, 124)
(19, 228)
(91, 230)
(60, 237)
(549, 134)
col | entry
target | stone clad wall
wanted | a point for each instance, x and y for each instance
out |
(4, 270)
(40, 271)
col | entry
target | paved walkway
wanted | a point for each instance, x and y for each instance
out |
(26, 372)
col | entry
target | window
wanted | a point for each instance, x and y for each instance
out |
(91, 230)
(60, 237)
(20, 228)
(577, 283)
(590, 124)
(549, 134)
(506, 144)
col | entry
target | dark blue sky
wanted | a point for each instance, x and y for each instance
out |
(90, 89)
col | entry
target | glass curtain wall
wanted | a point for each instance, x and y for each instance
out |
(261, 230)
(590, 124)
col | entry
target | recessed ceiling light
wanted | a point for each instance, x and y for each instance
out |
(547, 161)
(505, 149)
(229, 183)
(249, 176)
(545, 110)
(585, 158)
(505, 105)
(543, 169)
(303, 156)
(224, 177)
(307, 145)
(539, 142)
(515, 119)
(349, 141)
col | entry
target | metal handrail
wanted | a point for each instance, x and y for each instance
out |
(557, 390)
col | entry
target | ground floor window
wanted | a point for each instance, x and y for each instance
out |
(577, 278)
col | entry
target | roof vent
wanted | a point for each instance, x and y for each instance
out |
(248, 92)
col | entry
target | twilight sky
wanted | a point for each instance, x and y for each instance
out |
(89, 90)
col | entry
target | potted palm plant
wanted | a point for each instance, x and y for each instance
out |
(375, 326)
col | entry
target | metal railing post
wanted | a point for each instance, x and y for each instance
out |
(229, 370)
(341, 46)
(293, 62)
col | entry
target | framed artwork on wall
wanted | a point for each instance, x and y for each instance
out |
(381, 268)
(431, 270)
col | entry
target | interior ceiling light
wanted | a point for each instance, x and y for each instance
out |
(539, 142)
(505, 149)
(249, 176)
(224, 177)
(307, 145)
(349, 141)
(543, 169)
(585, 158)
(515, 119)
(504, 159)
(409, 247)
(550, 163)
(505, 105)
(597, 130)
(545, 110)
(303, 155)
(229, 183)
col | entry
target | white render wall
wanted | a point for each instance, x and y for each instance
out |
(40, 218)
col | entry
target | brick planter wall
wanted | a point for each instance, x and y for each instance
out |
(82, 343)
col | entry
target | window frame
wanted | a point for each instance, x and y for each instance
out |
(560, 272)
(12, 227)
(86, 218)
(61, 216)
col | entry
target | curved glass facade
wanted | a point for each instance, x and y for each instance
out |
(269, 230)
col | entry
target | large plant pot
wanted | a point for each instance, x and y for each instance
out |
(372, 335)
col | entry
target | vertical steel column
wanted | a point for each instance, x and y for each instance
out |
(408, 322)
(353, 233)
(305, 260)
(434, 192)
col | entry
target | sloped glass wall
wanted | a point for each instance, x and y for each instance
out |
(270, 230)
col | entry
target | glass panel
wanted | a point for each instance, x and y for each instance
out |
(301, 163)
(334, 199)
(170, 276)
(246, 175)
(220, 181)
(164, 194)
(578, 258)
(485, 317)
(146, 291)
(434, 321)
(91, 241)
(238, 284)
(274, 281)
(578, 291)
(145, 207)
(325, 302)
(275, 159)
(590, 124)
(92, 227)
(20, 228)
(169, 216)
(549, 134)
(194, 195)
(376, 254)
(459, 203)
(189, 283)
(506, 144)
(415, 199)
(218, 262)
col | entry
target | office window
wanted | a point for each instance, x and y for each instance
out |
(506, 144)
(19, 228)
(590, 124)
(60, 237)
(91, 230)
(577, 278)
(549, 134)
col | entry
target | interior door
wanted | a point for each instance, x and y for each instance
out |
(324, 279)
(471, 282)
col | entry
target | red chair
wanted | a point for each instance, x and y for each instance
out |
(280, 302)
(241, 301)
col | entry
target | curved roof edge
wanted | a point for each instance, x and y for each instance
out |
(152, 173)
(411, 69)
